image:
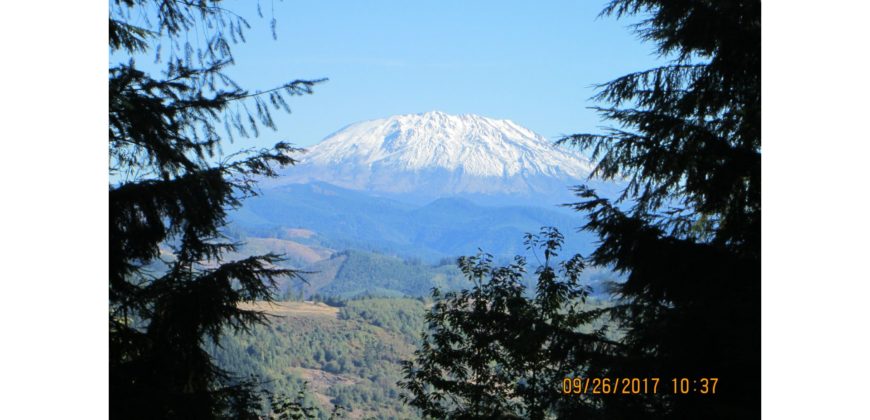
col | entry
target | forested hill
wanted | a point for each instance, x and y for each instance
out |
(354, 273)
(347, 356)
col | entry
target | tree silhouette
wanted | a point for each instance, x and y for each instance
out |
(686, 230)
(169, 193)
(498, 350)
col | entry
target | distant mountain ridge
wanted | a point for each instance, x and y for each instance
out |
(433, 155)
(446, 227)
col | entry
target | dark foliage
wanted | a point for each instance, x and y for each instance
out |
(687, 230)
(285, 408)
(495, 351)
(170, 189)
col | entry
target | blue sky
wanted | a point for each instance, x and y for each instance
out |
(531, 62)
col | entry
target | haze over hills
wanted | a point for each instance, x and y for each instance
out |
(421, 157)
(446, 227)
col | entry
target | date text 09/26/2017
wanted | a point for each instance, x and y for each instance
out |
(635, 386)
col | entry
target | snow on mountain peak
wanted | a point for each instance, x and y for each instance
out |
(475, 145)
(436, 154)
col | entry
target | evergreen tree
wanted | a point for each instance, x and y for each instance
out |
(170, 189)
(686, 230)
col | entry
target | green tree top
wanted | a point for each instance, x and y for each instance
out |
(498, 350)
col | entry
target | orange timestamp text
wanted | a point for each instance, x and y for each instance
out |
(636, 386)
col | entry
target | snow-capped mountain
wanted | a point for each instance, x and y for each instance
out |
(434, 154)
